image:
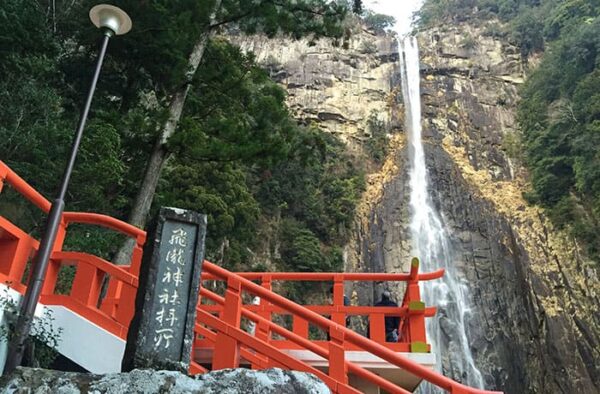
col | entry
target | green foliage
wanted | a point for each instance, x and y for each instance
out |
(437, 12)
(220, 190)
(494, 29)
(234, 112)
(43, 339)
(319, 186)
(26, 42)
(468, 42)
(560, 115)
(291, 17)
(377, 144)
(527, 31)
(367, 46)
(512, 144)
(378, 22)
(301, 249)
(236, 155)
(526, 18)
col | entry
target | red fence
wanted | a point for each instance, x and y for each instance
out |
(412, 311)
(17, 248)
(219, 322)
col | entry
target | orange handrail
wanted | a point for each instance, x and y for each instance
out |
(106, 221)
(328, 309)
(331, 276)
(304, 343)
(277, 355)
(23, 187)
(412, 311)
(27, 191)
(90, 269)
(341, 331)
(114, 271)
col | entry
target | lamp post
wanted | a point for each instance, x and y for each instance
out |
(112, 21)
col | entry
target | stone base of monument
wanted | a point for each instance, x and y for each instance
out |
(274, 380)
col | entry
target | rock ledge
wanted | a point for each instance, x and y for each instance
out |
(227, 381)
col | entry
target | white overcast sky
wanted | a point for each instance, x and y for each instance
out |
(402, 10)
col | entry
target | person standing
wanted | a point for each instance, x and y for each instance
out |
(391, 322)
(251, 324)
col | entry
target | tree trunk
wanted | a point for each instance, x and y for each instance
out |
(160, 155)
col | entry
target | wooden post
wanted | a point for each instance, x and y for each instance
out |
(338, 369)
(338, 301)
(227, 349)
(262, 330)
(416, 311)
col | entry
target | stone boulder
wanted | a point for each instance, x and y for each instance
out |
(227, 381)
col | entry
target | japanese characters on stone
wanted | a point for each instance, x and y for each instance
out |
(169, 300)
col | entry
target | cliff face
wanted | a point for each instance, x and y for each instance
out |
(535, 322)
(536, 326)
(339, 86)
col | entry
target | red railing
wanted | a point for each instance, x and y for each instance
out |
(412, 311)
(115, 310)
(219, 324)
(234, 344)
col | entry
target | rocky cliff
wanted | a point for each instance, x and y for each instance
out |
(535, 324)
(338, 85)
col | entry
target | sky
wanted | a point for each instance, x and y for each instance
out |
(400, 9)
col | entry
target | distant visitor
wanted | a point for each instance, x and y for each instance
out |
(391, 322)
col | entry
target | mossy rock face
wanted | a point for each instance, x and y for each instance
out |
(227, 381)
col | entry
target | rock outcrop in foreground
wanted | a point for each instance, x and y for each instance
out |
(227, 381)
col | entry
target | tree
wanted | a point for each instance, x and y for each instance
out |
(36, 129)
(296, 18)
(378, 22)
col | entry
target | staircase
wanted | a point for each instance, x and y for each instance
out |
(95, 329)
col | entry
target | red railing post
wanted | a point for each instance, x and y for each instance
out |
(262, 330)
(123, 306)
(15, 249)
(136, 256)
(227, 348)
(18, 262)
(300, 326)
(338, 300)
(338, 368)
(377, 327)
(415, 327)
(86, 285)
(3, 174)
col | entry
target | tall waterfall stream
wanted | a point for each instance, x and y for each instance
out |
(447, 330)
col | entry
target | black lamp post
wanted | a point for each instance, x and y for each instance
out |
(112, 21)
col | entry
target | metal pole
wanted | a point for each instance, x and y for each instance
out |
(16, 345)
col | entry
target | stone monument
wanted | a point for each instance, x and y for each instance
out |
(161, 332)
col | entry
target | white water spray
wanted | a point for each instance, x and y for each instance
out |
(446, 332)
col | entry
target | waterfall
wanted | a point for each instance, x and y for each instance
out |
(446, 332)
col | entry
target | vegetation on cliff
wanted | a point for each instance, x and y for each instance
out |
(266, 182)
(559, 111)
